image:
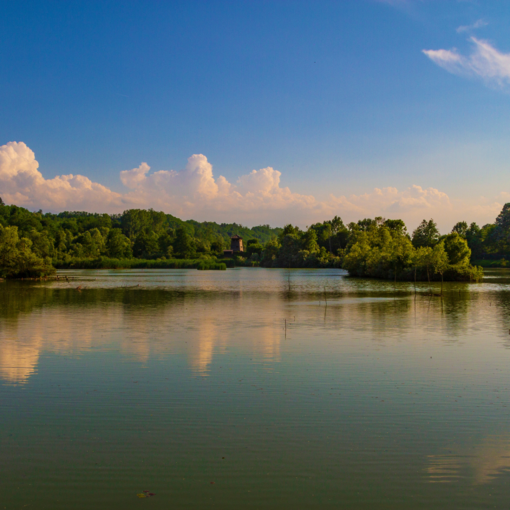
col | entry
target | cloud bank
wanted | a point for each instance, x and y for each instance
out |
(194, 192)
(484, 62)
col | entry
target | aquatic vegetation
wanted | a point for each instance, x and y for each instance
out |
(108, 263)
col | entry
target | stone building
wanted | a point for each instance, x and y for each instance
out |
(236, 243)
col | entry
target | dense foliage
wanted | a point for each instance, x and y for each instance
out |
(136, 238)
(385, 252)
(31, 243)
(374, 248)
(17, 257)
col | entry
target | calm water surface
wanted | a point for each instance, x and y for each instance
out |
(253, 388)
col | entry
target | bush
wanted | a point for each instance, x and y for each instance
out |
(212, 266)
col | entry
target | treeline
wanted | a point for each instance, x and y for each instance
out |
(33, 243)
(80, 239)
(376, 248)
(384, 248)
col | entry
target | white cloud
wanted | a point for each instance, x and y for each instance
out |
(477, 24)
(194, 192)
(21, 183)
(132, 178)
(390, 200)
(484, 62)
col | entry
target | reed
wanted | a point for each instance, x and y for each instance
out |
(107, 263)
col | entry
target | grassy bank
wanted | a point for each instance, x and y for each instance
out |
(108, 263)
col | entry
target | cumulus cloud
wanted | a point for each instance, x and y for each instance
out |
(21, 183)
(194, 192)
(484, 62)
(132, 178)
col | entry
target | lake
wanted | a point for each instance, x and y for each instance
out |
(253, 388)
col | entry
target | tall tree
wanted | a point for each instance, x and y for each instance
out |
(426, 234)
(146, 245)
(439, 259)
(457, 249)
(500, 236)
(118, 245)
(475, 241)
(460, 228)
(396, 226)
(184, 245)
(310, 241)
(503, 219)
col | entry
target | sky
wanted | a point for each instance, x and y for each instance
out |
(258, 111)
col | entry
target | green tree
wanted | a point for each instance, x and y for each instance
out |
(202, 246)
(270, 252)
(359, 257)
(500, 236)
(146, 245)
(89, 244)
(457, 249)
(426, 234)
(42, 243)
(423, 259)
(60, 244)
(439, 259)
(134, 221)
(324, 232)
(460, 228)
(503, 219)
(253, 246)
(17, 260)
(309, 241)
(118, 245)
(368, 223)
(289, 252)
(474, 240)
(402, 252)
(396, 226)
(336, 225)
(289, 230)
(166, 241)
(184, 245)
(218, 245)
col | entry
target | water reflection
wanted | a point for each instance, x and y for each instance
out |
(18, 360)
(480, 463)
(162, 316)
(201, 349)
(140, 323)
(171, 380)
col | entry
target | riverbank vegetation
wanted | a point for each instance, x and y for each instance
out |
(33, 243)
(18, 259)
(133, 263)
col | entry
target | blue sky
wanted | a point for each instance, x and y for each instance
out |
(338, 96)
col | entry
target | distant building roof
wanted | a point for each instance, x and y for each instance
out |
(235, 236)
